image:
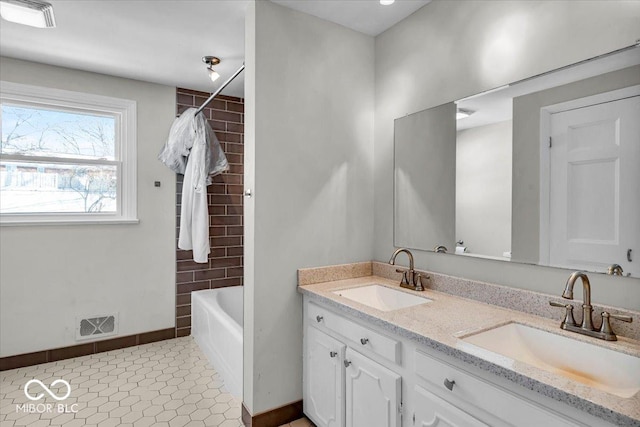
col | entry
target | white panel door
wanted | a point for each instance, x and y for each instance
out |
(373, 393)
(323, 381)
(432, 411)
(595, 186)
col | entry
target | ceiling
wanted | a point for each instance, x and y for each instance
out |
(163, 41)
(365, 16)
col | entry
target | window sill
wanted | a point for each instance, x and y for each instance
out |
(61, 221)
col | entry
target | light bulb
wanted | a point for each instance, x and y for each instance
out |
(386, 2)
(213, 75)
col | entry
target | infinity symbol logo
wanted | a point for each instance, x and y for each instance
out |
(47, 389)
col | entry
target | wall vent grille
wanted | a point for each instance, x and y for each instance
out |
(98, 326)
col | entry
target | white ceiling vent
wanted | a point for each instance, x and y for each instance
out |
(96, 327)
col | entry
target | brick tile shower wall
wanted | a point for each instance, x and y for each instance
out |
(225, 266)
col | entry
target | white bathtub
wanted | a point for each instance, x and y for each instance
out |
(216, 325)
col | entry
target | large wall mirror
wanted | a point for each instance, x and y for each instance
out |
(543, 171)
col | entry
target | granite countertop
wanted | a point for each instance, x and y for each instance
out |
(440, 324)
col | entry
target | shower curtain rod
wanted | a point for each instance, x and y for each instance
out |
(220, 89)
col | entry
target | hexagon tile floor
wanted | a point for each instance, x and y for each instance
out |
(168, 383)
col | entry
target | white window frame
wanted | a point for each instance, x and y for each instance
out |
(124, 112)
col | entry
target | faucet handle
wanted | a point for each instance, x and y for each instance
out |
(568, 316)
(615, 270)
(405, 277)
(417, 278)
(606, 324)
(622, 317)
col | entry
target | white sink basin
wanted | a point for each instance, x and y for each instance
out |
(381, 298)
(590, 364)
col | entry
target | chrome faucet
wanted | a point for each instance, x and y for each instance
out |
(614, 270)
(410, 279)
(586, 328)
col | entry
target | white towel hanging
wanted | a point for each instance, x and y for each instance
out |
(194, 150)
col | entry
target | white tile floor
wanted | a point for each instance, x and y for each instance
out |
(168, 383)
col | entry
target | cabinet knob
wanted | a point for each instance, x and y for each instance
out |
(319, 318)
(364, 341)
(449, 384)
(333, 353)
(347, 363)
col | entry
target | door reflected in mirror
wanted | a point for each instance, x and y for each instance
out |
(543, 171)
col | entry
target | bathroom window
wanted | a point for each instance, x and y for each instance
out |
(66, 157)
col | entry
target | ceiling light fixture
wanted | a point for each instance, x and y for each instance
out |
(386, 2)
(462, 113)
(34, 13)
(211, 61)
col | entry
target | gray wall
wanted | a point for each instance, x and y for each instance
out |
(526, 152)
(309, 159)
(449, 50)
(483, 188)
(51, 274)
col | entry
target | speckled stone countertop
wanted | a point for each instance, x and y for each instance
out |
(440, 324)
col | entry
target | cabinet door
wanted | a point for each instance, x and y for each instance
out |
(485, 399)
(432, 411)
(323, 380)
(373, 393)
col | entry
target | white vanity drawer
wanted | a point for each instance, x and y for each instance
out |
(490, 398)
(363, 337)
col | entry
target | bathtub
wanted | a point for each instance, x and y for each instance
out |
(216, 325)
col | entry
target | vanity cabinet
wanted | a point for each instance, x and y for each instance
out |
(324, 379)
(430, 410)
(372, 393)
(358, 336)
(343, 387)
(490, 402)
(364, 376)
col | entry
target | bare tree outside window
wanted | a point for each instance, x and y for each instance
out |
(57, 161)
